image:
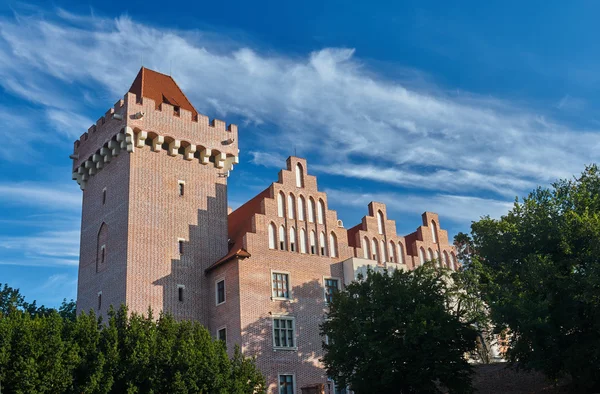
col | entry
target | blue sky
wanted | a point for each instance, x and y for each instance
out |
(422, 105)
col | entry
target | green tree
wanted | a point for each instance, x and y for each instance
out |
(540, 275)
(401, 332)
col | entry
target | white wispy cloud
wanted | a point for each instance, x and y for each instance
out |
(45, 248)
(48, 196)
(353, 121)
(457, 208)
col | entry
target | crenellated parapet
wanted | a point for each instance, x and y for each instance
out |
(137, 122)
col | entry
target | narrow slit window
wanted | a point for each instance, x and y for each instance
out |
(103, 196)
(180, 293)
(99, 300)
(180, 246)
(181, 189)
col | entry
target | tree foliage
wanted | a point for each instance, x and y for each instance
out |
(402, 332)
(540, 275)
(50, 351)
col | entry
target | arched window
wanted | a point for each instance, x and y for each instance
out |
(302, 241)
(382, 255)
(299, 175)
(272, 236)
(375, 250)
(291, 206)
(333, 245)
(301, 203)
(429, 254)
(322, 244)
(292, 239)
(446, 262)
(365, 248)
(321, 212)
(392, 253)
(400, 253)
(437, 259)
(454, 262)
(422, 255)
(280, 204)
(434, 232)
(311, 210)
(101, 246)
(313, 243)
(380, 222)
(281, 238)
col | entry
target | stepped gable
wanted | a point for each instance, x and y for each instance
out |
(161, 89)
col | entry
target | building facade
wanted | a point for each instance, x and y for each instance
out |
(156, 232)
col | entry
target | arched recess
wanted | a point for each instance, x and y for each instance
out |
(102, 239)
(291, 206)
(301, 208)
(299, 175)
(437, 259)
(313, 242)
(434, 232)
(380, 222)
(281, 238)
(333, 246)
(429, 254)
(400, 253)
(375, 250)
(302, 241)
(280, 204)
(366, 248)
(392, 252)
(382, 251)
(272, 236)
(446, 261)
(292, 239)
(454, 262)
(323, 243)
(321, 212)
(422, 255)
(311, 210)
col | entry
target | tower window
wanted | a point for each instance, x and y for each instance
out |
(180, 246)
(103, 196)
(102, 253)
(99, 300)
(181, 188)
(180, 292)
(222, 335)
(220, 291)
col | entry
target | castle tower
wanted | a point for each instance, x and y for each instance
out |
(154, 178)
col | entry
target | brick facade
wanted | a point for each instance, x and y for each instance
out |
(140, 159)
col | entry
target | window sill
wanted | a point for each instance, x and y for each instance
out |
(220, 303)
(285, 349)
(281, 299)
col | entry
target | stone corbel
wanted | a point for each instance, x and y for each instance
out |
(220, 160)
(174, 147)
(205, 156)
(157, 143)
(141, 139)
(106, 154)
(129, 140)
(115, 147)
(189, 152)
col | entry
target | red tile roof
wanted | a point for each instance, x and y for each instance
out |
(240, 223)
(162, 89)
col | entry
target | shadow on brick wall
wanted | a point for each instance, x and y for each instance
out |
(206, 243)
(309, 308)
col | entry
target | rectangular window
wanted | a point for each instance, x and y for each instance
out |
(181, 188)
(103, 196)
(180, 292)
(180, 246)
(222, 335)
(281, 245)
(220, 291)
(284, 335)
(331, 286)
(102, 253)
(286, 384)
(99, 300)
(281, 285)
(312, 249)
(322, 250)
(292, 246)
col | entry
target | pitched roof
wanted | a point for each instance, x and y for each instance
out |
(162, 89)
(239, 223)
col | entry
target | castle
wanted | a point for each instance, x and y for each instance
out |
(156, 232)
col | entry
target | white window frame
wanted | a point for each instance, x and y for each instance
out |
(289, 284)
(219, 280)
(226, 336)
(295, 332)
(180, 182)
(182, 296)
(339, 286)
(279, 381)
